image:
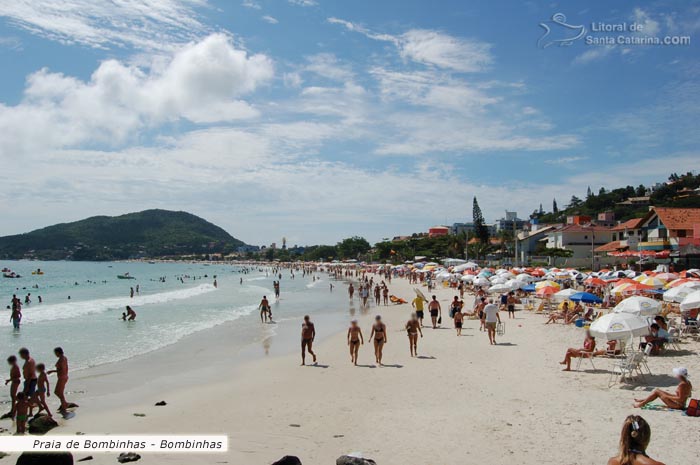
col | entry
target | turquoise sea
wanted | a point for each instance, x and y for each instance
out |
(89, 327)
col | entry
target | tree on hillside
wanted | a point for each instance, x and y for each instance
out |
(482, 232)
(575, 202)
(555, 207)
(353, 247)
(589, 193)
(641, 191)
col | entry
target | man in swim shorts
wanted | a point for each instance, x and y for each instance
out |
(418, 305)
(308, 334)
(28, 372)
(435, 311)
(265, 312)
(491, 318)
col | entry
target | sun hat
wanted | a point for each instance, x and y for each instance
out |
(680, 372)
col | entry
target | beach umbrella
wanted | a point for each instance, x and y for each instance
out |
(467, 278)
(529, 288)
(619, 326)
(691, 301)
(525, 278)
(564, 294)
(638, 305)
(595, 282)
(666, 276)
(678, 293)
(629, 288)
(546, 291)
(543, 284)
(652, 281)
(683, 282)
(481, 281)
(497, 280)
(499, 288)
(691, 273)
(585, 297)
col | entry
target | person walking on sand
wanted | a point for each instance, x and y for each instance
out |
(413, 328)
(378, 335)
(61, 370)
(677, 400)
(351, 291)
(510, 305)
(14, 380)
(459, 320)
(417, 303)
(355, 339)
(634, 440)
(43, 390)
(265, 311)
(435, 311)
(308, 334)
(491, 318)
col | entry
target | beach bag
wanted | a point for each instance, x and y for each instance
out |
(693, 409)
(501, 329)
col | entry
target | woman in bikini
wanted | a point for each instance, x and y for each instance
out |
(355, 338)
(675, 400)
(62, 378)
(634, 441)
(378, 335)
(413, 329)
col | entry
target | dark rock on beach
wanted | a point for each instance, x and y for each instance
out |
(161, 403)
(288, 460)
(126, 457)
(85, 459)
(348, 460)
(41, 425)
(45, 458)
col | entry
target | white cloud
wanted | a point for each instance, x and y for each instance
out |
(304, 3)
(650, 27)
(12, 43)
(328, 66)
(566, 160)
(432, 48)
(270, 19)
(251, 4)
(145, 24)
(202, 82)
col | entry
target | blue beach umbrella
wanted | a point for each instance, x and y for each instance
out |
(586, 298)
(529, 288)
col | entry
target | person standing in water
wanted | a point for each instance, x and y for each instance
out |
(634, 440)
(16, 317)
(351, 291)
(308, 334)
(378, 335)
(265, 312)
(129, 315)
(413, 328)
(131, 292)
(61, 370)
(355, 339)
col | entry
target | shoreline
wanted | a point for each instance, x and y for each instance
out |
(408, 412)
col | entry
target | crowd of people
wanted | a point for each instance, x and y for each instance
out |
(30, 387)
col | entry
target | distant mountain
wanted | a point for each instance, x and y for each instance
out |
(150, 233)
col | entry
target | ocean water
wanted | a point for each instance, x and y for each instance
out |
(89, 327)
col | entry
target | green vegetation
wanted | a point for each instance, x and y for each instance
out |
(670, 194)
(150, 233)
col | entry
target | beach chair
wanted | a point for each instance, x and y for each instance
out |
(643, 359)
(674, 339)
(587, 355)
(625, 369)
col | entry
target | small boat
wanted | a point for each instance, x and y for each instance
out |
(125, 276)
(6, 270)
(38, 272)
(11, 274)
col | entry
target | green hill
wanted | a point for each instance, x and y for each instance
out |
(150, 233)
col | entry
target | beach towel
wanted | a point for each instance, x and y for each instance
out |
(659, 408)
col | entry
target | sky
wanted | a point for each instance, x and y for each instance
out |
(317, 120)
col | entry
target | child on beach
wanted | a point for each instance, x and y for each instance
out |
(21, 409)
(43, 390)
(15, 380)
(459, 319)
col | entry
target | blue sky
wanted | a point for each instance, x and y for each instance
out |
(318, 119)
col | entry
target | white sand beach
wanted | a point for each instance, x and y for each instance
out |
(461, 401)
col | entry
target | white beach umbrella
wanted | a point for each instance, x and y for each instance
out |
(497, 280)
(619, 326)
(638, 305)
(499, 288)
(563, 295)
(677, 294)
(526, 278)
(481, 281)
(467, 278)
(691, 301)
